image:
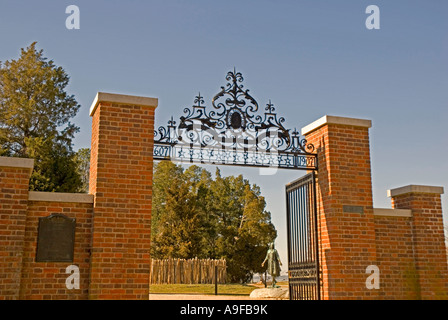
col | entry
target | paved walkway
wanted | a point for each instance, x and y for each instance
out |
(168, 296)
(193, 296)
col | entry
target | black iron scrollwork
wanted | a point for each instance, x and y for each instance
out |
(233, 133)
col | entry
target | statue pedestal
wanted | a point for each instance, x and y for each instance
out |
(270, 294)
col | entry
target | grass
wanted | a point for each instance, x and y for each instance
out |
(223, 289)
(227, 289)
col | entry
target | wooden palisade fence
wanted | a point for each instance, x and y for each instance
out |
(191, 271)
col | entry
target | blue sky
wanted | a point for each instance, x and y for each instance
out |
(311, 58)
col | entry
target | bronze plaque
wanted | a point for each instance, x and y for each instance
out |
(353, 209)
(56, 238)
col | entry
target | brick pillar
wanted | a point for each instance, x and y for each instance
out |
(428, 236)
(121, 181)
(344, 203)
(14, 184)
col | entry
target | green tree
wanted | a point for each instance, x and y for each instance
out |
(82, 160)
(164, 173)
(196, 216)
(244, 228)
(178, 211)
(35, 113)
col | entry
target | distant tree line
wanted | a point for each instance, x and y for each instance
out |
(195, 215)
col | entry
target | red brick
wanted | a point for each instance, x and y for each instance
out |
(121, 180)
(347, 241)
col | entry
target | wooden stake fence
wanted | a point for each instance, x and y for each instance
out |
(191, 271)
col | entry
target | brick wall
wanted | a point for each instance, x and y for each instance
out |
(112, 233)
(121, 180)
(21, 277)
(14, 184)
(396, 256)
(46, 280)
(407, 243)
(344, 181)
(428, 237)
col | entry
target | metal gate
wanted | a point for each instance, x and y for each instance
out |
(303, 257)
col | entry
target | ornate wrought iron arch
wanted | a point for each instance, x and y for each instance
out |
(233, 134)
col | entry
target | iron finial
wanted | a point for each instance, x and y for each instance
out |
(198, 99)
(270, 107)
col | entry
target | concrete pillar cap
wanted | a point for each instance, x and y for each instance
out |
(122, 99)
(412, 188)
(336, 120)
(15, 162)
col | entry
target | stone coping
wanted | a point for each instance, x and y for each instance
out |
(122, 99)
(16, 162)
(392, 212)
(414, 189)
(336, 120)
(60, 197)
